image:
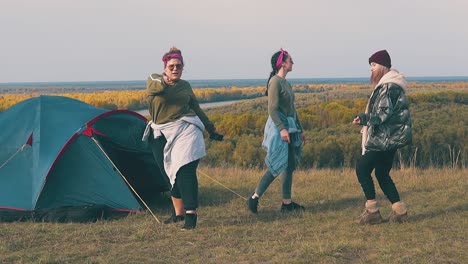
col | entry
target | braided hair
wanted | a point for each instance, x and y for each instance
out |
(274, 60)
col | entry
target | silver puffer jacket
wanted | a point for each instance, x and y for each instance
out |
(387, 121)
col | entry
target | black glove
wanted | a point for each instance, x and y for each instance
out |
(363, 118)
(216, 136)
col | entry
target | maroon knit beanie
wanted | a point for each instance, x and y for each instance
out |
(381, 57)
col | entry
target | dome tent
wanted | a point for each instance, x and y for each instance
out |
(64, 160)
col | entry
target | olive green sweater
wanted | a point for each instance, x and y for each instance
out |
(168, 103)
(281, 99)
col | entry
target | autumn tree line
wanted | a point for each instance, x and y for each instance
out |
(440, 122)
(439, 112)
(134, 99)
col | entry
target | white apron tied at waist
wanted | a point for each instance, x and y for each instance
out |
(185, 142)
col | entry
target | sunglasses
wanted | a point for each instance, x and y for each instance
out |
(175, 66)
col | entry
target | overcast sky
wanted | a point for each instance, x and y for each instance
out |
(114, 40)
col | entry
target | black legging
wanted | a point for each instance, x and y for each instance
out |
(186, 183)
(382, 162)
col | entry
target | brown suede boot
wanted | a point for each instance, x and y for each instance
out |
(371, 215)
(399, 213)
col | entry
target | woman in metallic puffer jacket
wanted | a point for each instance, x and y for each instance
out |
(386, 127)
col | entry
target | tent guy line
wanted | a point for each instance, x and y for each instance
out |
(125, 179)
(16, 153)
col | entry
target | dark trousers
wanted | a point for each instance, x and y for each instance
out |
(186, 183)
(381, 162)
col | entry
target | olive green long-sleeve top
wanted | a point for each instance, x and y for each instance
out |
(168, 103)
(281, 99)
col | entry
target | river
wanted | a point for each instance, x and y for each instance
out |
(145, 112)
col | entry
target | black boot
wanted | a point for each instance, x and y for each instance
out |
(190, 221)
(252, 203)
(291, 207)
(174, 219)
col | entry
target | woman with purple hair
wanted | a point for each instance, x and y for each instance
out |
(283, 137)
(177, 125)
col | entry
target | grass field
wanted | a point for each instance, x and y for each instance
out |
(228, 233)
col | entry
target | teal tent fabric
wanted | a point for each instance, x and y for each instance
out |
(58, 152)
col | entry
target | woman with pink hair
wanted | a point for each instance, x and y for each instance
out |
(283, 137)
(177, 125)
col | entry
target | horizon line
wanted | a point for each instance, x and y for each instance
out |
(227, 79)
